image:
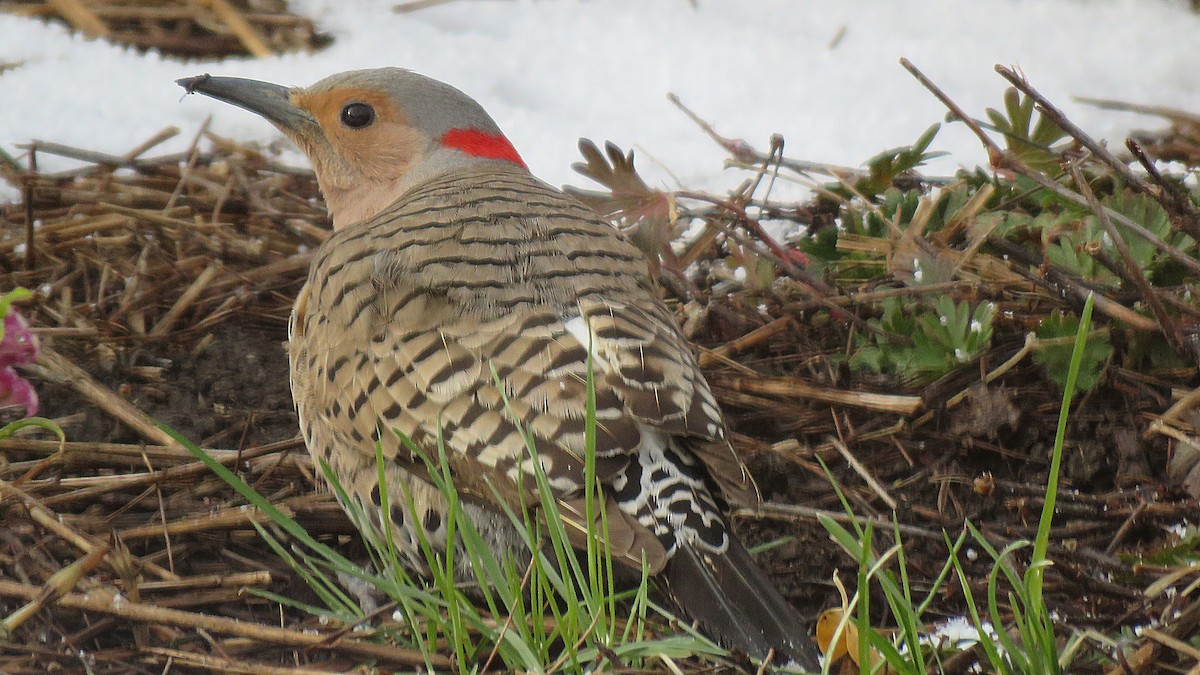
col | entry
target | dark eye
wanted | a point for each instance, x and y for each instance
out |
(358, 115)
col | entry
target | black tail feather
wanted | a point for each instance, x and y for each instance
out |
(735, 603)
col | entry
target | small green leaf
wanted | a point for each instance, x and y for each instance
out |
(40, 422)
(1028, 140)
(1055, 358)
(18, 294)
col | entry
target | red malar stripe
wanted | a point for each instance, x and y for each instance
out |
(479, 144)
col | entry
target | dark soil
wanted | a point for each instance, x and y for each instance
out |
(232, 394)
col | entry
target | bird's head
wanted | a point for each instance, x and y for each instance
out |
(371, 134)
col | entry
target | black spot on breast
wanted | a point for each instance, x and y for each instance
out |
(375, 496)
(396, 375)
(397, 515)
(360, 402)
(417, 399)
(373, 384)
(331, 374)
(432, 520)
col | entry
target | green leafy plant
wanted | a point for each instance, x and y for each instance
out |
(1056, 349)
(1077, 238)
(885, 167)
(1184, 553)
(909, 651)
(1035, 649)
(1020, 225)
(1144, 211)
(1030, 141)
(877, 187)
(944, 337)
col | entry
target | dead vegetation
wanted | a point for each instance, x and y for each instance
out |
(189, 29)
(909, 335)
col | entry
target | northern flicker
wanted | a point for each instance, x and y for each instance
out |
(450, 259)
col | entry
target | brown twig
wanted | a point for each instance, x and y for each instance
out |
(1063, 122)
(61, 369)
(81, 17)
(792, 388)
(999, 157)
(240, 27)
(993, 150)
(776, 253)
(185, 300)
(102, 602)
(744, 153)
(28, 179)
(1133, 271)
(754, 337)
(414, 5)
(1172, 196)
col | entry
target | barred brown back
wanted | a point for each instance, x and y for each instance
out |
(405, 316)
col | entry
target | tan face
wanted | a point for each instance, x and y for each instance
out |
(370, 134)
(368, 145)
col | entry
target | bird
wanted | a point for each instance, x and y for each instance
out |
(451, 268)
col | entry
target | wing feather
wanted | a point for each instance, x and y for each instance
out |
(413, 336)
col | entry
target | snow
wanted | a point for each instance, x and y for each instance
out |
(958, 632)
(822, 74)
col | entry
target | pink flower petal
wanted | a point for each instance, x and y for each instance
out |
(16, 391)
(20, 345)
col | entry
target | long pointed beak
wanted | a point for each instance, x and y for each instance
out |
(272, 101)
